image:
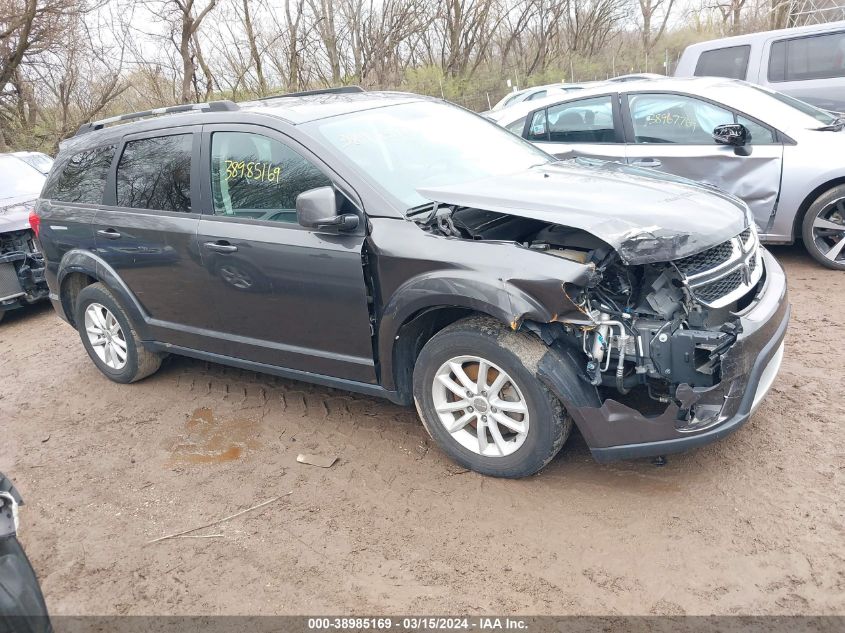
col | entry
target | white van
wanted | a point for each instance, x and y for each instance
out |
(806, 62)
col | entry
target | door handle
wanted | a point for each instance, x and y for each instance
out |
(109, 234)
(221, 246)
(646, 162)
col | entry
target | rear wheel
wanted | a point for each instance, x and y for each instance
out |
(109, 338)
(823, 230)
(479, 397)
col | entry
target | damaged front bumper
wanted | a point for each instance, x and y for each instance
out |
(616, 431)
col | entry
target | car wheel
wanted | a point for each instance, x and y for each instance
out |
(824, 229)
(110, 339)
(480, 399)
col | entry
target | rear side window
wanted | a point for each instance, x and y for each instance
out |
(582, 121)
(155, 173)
(256, 177)
(811, 57)
(731, 62)
(82, 178)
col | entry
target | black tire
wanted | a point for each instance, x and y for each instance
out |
(517, 354)
(22, 607)
(140, 362)
(822, 205)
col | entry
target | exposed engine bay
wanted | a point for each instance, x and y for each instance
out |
(21, 270)
(648, 328)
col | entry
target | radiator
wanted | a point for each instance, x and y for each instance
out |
(10, 287)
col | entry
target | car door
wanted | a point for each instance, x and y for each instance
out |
(587, 127)
(284, 295)
(147, 230)
(672, 132)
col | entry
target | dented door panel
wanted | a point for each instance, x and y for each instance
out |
(755, 179)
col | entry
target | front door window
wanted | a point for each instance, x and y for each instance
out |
(678, 119)
(256, 177)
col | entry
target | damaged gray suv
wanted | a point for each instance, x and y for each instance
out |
(402, 247)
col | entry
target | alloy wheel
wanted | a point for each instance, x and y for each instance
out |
(829, 231)
(106, 336)
(480, 406)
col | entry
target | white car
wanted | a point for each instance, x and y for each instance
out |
(532, 94)
(39, 160)
(21, 263)
(782, 156)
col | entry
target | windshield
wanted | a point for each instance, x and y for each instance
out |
(18, 179)
(825, 118)
(40, 161)
(425, 144)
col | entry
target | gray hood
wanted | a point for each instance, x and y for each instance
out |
(646, 216)
(14, 212)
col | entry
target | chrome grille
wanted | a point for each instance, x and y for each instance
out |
(10, 287)
(711, 258)
(714, 291)
(725, 273)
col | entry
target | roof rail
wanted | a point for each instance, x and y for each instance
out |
(211, 106)
(322, 91)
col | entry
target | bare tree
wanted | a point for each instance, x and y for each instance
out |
(185, 24)
(30, 30)
(254, 53)
(324, 22)
(654, 12)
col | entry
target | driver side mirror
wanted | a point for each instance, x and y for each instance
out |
(734, 134)
(318, 208)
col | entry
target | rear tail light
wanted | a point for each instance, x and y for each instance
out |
(34, 222)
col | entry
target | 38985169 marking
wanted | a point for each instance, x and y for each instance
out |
(253, 170)
(350, 624)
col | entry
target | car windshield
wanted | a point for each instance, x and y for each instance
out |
(405, 147)
(18, 179)
(40, 161)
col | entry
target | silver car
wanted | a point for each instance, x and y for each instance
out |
(781, 156)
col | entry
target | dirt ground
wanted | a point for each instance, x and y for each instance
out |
(752, 525)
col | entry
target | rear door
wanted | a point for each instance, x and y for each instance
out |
(285, 295)
(148, 233)
(589, 128)
(673, 133)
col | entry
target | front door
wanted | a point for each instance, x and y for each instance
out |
(588, 128)
(284, 295)
(673, 133)
(146, 231)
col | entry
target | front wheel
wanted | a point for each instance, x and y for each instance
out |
(823, 229)
(478, 395)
